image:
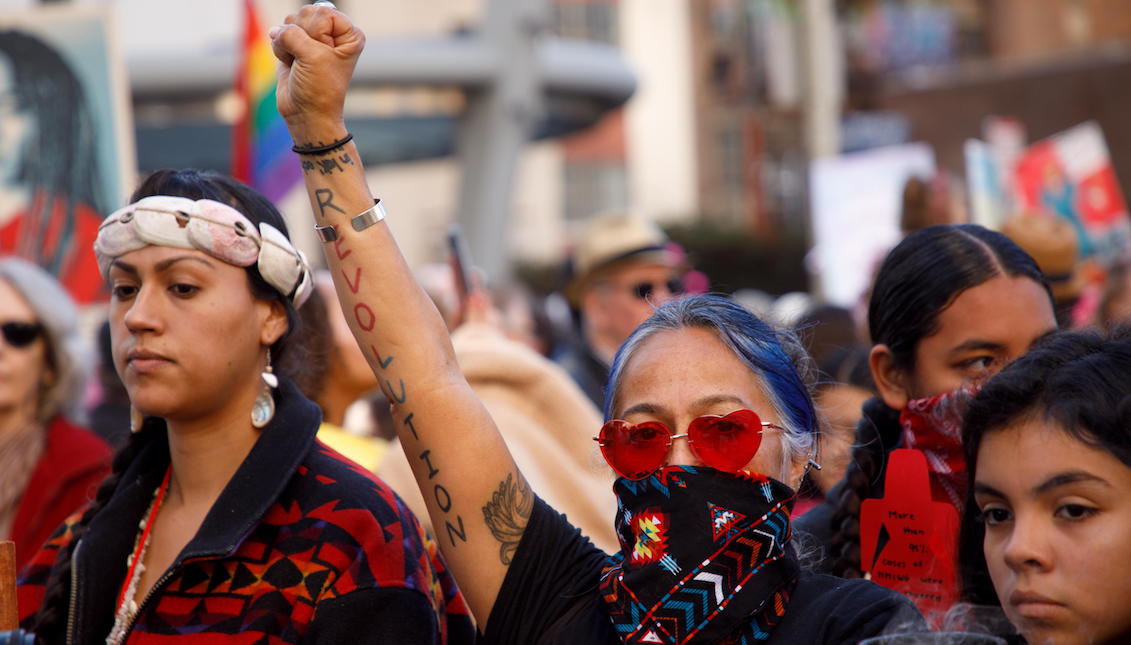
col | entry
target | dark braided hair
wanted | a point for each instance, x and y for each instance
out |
(50, 622)
(918, 279)
(1081, 381)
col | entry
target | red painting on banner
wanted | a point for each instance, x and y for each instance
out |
(908, 541)
(1070, 176)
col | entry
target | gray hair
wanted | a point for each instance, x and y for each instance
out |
(68, 353)
(775, 355)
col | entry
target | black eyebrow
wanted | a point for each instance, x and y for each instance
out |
(985, 489)
(124, 266)
(977, 344)
(1056, 481)
(1071, 477)
(164, 265)
(161, 266)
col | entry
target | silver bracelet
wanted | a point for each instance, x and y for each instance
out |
(359, 222)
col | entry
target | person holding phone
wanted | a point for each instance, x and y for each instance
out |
(708, 421)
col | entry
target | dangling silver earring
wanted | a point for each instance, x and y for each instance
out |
(264, 408)
(136, 420)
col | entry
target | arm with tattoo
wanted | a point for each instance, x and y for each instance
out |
(478, 501)
(507, 514)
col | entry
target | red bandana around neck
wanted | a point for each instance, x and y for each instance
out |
(933, 426)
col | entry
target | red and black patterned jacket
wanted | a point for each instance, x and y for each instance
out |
(302, 546)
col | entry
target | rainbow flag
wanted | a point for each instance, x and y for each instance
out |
(261, 145)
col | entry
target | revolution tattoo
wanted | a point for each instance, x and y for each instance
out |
(325, 198)
(366, 318)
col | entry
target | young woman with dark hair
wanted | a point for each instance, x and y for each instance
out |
(1047, 530)
(224, 518)
(708, 421)
(950, 306)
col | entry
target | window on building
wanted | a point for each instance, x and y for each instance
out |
(594, 186)
(594, 20)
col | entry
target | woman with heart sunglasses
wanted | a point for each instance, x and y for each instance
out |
(48, 461)
(709, 422)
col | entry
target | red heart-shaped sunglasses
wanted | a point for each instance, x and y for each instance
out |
(725, 443)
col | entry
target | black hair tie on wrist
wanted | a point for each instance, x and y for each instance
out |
(321, 150)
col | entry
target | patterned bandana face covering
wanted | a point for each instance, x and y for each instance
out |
(205, 225)
(705, 557)
(933, 426)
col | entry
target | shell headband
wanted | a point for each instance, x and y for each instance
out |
(210, 226)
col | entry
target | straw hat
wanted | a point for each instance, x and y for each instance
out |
(614, 239)
(1053, 244)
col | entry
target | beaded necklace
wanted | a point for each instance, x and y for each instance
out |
(127, 602)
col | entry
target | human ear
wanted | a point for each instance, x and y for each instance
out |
(797, 470)
(274, 324)
(890, 379)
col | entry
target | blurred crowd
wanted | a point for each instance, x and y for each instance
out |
(950, 306)
(951, 452)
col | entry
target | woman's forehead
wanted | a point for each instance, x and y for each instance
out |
(158, 258)
(689, 368)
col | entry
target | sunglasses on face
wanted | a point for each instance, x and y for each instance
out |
(645, 290)
(20, 334)
(725, 443)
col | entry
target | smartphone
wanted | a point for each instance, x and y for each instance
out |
(460, 260)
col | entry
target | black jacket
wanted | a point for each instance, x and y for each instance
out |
(302, 546)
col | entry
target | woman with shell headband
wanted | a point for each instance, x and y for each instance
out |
(225, 520)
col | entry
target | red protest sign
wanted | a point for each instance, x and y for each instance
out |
(908, 540)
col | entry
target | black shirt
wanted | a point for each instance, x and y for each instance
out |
(550, 596)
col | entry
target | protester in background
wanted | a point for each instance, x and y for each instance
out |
(523, 318)
(49, 466)
(224, 518)
(110, 417)
(1115, 304)
(1051, 241)
(621, 269)
(334, 373)
(926, 203)
(830, 336)
(518, 313)
(845, 386)
(702, 363)
(1047, 532)
(951, 305)
(827, 331)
